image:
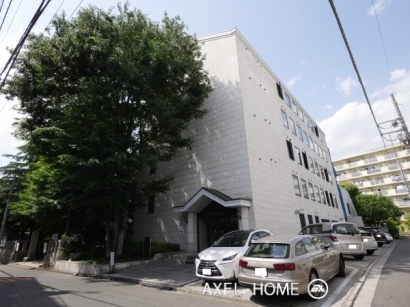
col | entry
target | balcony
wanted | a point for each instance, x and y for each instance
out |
(370, 160)
(393, 167)
(402, 190)
(405, 203)
(390, 156)
(356, 174)
(377, 181)
(351, 164)
(374, 171)
(359, 184)
(398, 178)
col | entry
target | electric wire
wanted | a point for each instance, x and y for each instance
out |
(20, 44)
(54, 15)
(5, 15)
(75, 9)
(1, 5)
(355, 67)
(4, 37)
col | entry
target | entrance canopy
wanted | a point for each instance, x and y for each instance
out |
(205, 196)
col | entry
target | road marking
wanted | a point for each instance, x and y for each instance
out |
(339, 289)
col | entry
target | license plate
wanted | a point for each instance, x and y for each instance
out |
(206, 272)
(261, 272)
(365, 240)
(352, 246)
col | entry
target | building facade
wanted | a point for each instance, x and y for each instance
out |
(383, 171)
(258, 160)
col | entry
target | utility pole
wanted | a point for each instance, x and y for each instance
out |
(3, 224)
(405, 136)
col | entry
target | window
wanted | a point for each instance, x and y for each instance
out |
(297, 156)
(151, 204)
(302, 220)
(316, 131)
(310, 247)
(323, 196)
(335, 200)
(315, 145)
(311, 143)
(317, 219)
(310, 219)
(330, 177)
(320, 136)
(324, 155)
(327, 198)
(304, 189)
(322, 172)
(290, 149)
(296, 185)
(317, 193)
(326, 174)
(332, 199)
(280, 92)
(294, 107)
(306, 121)
(311, 165)
(348, 208)
(305, 138)
(311, 192)
(304, 156)
(317, 169)
(287, 99)
(299, 132)
(284, 119)
(301, 115)
(325, 220)
(300, 249)
(292, 126)
(318, 243)
(320, 151)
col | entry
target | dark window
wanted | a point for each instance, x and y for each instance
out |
(326, 174)
(316, 131)
(305, 161)
(327, 198)
(332, 199)
(290, 149)
(325, 220)
(348, 208)
(317, 219)
(151, 203)
(302, 220)
(280, 92)
(310, 219)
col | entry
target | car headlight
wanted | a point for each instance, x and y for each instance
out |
(230, 257)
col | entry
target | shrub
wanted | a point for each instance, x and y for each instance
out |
(71, 244)
(393, 228)
(136, 248)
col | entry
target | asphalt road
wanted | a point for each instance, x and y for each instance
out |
(394, 287)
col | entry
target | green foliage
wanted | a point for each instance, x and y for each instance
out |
(136, 248)
(377, 209)
(102, 97)
(393, 227)
(71, 244)
(407, 220)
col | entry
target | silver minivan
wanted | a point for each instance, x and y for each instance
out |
(344, 236)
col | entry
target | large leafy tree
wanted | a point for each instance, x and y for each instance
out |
(103, 96)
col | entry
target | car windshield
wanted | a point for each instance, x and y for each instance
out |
(232, 240)
(268, 250)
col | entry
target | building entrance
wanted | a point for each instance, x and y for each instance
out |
(214, 221)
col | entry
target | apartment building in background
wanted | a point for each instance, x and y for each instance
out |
(384, 171)
(258, 159)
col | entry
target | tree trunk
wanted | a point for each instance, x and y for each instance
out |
(107, 236)
(114, 233)
(122, 232)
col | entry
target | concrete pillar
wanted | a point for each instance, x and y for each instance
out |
(33, 244)
(191, 233)
(243, 218)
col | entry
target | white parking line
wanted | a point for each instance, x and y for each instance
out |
(339, 289)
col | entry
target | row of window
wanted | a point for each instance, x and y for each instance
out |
(313, 192)
(310, 164)
(302, 135)
(310, 219)
(291, 104)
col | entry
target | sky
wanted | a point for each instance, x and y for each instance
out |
(299, 40)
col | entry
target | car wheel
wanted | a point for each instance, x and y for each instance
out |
(380, 244)
(370, 252)
(312, 276)
(358, 257)
(342, 272)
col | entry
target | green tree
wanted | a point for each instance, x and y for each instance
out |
(377, 209)
(105, 95)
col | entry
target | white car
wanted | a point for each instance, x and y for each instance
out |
(389, 238)
(221, 260)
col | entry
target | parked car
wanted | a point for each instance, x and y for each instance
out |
(369, 242)
(378, 235)
(221, 260)
(389, 238)
(343, 236)
(286, 259)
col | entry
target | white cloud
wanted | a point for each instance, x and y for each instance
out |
(328, 107)
(292, 81)
(346, 86)
(379, 6)
(352, 130)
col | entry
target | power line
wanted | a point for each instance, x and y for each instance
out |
(1, 6)
(54, 15)
(20, 44)
(5, 15)
(10, 23)
(75, 9)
